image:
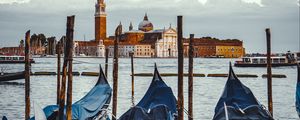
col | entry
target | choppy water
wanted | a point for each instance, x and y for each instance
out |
(206, 90)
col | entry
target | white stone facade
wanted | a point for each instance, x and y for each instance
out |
(167, 46)
(100, 49)
(139, 50)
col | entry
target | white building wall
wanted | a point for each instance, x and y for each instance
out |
(139, 50)
(167, 46)
(100, 49)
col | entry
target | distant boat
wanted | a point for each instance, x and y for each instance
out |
(12, 76)
(238, 102)
(92, 106)
(13, 59)
(298, 91)
(159, 103)
(290, 59)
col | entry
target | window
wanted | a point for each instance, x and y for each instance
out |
(282, 60)
(275, 60)
(255, 61)
(262, 61)
(247, 60)
(8, 58)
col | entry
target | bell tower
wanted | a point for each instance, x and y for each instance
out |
(100, 21)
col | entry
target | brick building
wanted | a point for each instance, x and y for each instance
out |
(212, 47)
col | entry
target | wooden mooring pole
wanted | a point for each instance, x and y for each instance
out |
(27, 75)
(180, 69)
(62, 94)
(58, 52)
(118, 33)
(68, 48)
(269, 71)
(106, 61)
(69, 35)
(132, 78)
(191, 72)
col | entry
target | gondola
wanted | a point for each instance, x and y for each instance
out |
(93, 105)
(159, 103)
(298, 92)
(238, 102)
(12, 76)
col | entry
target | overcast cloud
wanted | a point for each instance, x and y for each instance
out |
(241, 19)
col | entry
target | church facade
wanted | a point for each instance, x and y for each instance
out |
(143, 42)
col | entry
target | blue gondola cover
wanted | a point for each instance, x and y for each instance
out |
(159, 103)
(240, 102)
(298, 91)
(91, 105)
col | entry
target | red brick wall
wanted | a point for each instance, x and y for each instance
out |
(100, 28)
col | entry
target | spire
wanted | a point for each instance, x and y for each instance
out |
(170, 26)
(145, 17)
(130, 26)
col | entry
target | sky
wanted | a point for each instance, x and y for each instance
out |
(225, 19)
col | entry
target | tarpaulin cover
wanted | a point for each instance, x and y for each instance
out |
(240, 102)
(91, 104)
(159, 103)
(298, 92)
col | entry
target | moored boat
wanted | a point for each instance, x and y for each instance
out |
(159, 103)
(11, 76)
(93, 105)
(238, 102)
(13, 59)
(262, 62)
(298, 91)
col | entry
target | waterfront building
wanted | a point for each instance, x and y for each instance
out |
(139, 50)
(145, 41)
(230, 51)
(163, 41)
(89, 48)
(212, 47)
(12, 51)
(95, 47)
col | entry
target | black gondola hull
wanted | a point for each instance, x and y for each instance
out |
(12, 76)
(11, 61)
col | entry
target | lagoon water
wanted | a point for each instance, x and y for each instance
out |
(207, 90)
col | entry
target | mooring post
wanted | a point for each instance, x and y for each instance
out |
(269, 71)
(62, 98)
(69, 35)
(27, 75)
(62, 94)
(106, 61)
(132, 78)
(118, 33)
(180, 68)
(58, 52)
(191, 72)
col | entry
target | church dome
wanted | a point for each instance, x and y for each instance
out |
(145, 25)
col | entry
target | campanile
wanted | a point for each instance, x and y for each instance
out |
(100, 21)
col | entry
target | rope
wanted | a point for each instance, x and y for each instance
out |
(107, 111)
(187, 113)
(88, 62)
